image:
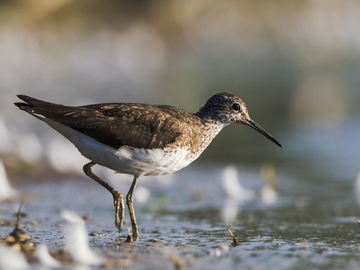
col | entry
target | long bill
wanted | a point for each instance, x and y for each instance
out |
(258, 128)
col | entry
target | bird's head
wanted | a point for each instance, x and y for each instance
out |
(228, 108)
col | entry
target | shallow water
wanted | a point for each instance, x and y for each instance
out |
(313, 224)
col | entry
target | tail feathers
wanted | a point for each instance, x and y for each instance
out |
(74, 117)
(39, 107)
(33, 102)
(25, 106)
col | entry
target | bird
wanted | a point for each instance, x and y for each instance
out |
(140, 139)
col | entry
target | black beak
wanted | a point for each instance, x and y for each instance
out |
(255, 126)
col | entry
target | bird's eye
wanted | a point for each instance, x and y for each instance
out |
(236, 106)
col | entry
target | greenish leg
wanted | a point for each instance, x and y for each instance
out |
(129, 202)
(118, 197)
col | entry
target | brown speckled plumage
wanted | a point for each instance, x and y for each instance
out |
(138, 125)
(140, 139)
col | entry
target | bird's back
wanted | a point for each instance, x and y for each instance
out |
(117, 124)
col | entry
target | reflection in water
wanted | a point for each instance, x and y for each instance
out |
(268, 191)
(230, 210)
(235, 195)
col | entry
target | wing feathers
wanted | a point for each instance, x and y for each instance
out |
(116, 124)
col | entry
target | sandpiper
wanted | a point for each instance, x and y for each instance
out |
(140, 139)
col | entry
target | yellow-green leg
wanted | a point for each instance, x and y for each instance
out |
(118, 197)
(129, 202)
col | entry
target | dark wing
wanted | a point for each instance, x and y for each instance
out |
(115, 124)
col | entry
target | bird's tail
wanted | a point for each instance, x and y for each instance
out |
(36, 106)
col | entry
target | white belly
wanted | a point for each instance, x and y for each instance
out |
(145, 161)
(127, 160)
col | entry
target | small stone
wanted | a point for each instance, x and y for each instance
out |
(96, 234)
(86, 217)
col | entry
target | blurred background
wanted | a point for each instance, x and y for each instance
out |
(296, 64)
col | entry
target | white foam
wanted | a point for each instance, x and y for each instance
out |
(11, 259)
(77, 240)
(6, 191)
(45, 258)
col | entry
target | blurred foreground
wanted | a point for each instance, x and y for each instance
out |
(184, 221)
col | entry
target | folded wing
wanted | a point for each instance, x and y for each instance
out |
(114, 124)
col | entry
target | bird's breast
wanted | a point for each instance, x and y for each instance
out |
(138, 161)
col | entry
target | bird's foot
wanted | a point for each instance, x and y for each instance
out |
(135, 232)
(129, 202)
(119, 208)
(129, 239)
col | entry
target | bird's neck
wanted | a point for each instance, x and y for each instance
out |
(212, 127)
(203, 134)
(210, 120)
(212, 117)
